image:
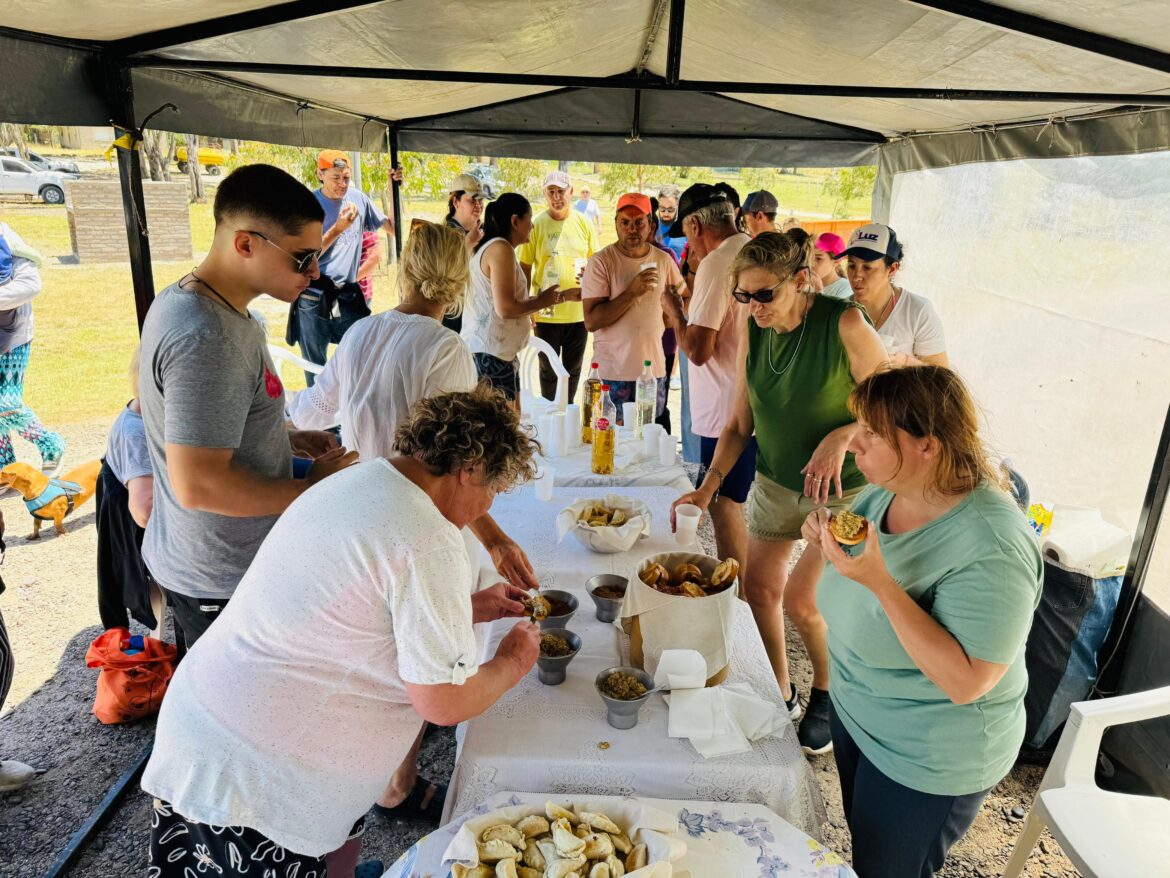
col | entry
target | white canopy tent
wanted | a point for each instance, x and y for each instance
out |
(965, 106)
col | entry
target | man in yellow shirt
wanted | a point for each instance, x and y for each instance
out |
(561, 243)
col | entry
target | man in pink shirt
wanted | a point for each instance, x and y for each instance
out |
(709, 332)
(621, 291)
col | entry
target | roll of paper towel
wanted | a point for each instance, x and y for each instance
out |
(1080, 539)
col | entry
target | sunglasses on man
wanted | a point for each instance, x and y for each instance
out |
(302, 263)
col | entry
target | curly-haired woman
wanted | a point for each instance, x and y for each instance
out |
(337, 648)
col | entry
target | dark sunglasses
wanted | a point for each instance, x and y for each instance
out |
(302, 263)
(761, 296)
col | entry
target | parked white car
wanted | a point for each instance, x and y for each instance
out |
(18, 177)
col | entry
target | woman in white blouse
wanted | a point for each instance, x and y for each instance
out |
(352, 625)
(907, 323)
(496, 321)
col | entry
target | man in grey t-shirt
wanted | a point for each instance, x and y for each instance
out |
(213, 404)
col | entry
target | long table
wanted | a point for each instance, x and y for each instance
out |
(575, 469)
(555, 739)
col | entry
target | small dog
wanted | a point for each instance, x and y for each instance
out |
(51, 499)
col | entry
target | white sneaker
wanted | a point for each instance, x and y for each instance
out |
(676, 383)
(793, 705)
(16, 775)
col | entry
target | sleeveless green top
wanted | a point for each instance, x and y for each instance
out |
(793, 412)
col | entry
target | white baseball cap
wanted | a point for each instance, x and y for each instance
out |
(557, 178)
(874, 241)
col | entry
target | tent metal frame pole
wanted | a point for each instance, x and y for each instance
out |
(636, 121)
(395, 191)
(1052, 32)
(630, 82)
(674, 41)
(133, 200)
(1154, 505)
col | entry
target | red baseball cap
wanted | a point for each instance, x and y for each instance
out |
(635, 200)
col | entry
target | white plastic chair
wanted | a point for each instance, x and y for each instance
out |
(1103, 833)
(530, 371)
(281, 356)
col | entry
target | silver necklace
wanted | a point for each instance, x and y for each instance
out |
(795, 350)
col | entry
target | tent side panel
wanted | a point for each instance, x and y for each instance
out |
(216, 107)
(50, 85)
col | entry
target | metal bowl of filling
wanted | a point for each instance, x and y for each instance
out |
(624, 690)
(558, 647)
(562, 606)
(608, 590)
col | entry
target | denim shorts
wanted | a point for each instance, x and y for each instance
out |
(736, 483)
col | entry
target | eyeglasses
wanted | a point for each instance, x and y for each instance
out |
(302, 263)
(761, 296)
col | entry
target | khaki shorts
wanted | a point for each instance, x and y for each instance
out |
(777, 513)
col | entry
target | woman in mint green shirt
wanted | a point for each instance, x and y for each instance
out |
(927, 619)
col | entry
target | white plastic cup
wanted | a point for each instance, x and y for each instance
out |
(544, 425)
(544, 483)
(650, 440)
(686, 524)
(629, 414)
(573, 426)
(667, 451)
(556, 434)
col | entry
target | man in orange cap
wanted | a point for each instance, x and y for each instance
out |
(621, 292)
(335, 301)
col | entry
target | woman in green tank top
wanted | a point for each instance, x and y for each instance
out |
(799, 360)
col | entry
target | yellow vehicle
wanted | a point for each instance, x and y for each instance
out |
(211, 159)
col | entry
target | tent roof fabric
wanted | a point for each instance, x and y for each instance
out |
(56, 57)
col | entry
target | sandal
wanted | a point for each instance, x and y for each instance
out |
(412, 807)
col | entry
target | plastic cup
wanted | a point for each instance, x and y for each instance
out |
(666, 450)
(573, 426)
(555, 438)
(545, 481)
(686, 524)
(629, 414)
(650, 435)
(544, 427)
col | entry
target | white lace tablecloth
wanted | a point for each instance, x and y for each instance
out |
(575, 469)
(725, 839)
(548, 739)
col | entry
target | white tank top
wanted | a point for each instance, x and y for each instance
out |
(484, 330)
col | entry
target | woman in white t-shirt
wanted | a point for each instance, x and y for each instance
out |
(907, 323)
(496, 322)
(336, 649)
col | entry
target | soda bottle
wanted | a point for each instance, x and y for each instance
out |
(604, 431)
(645, 398)
(589, 396)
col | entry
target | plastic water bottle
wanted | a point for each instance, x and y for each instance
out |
(646, 398)
(552, 275)
(604, 432)
(592, 385)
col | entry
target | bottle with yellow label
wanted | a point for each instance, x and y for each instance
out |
(588, 398)
(604, 431)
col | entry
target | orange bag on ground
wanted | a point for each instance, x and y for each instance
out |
(129, 686)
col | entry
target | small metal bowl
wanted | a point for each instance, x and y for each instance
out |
(607, 608)
(624, 714)
(563, 597)
(551, 669)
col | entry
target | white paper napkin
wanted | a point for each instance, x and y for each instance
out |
(719, 720)
(606, 539)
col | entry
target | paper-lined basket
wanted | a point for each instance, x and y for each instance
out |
(644, 824)
(606, 540)
(657, 621)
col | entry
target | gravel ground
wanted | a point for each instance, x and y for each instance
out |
(51, 611)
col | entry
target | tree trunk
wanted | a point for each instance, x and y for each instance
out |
(11, 135)
(596, 168)
(151, 142)
(232, 146)
(193, 178)
(563, 166)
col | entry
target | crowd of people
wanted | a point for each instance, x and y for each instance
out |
(812, 383)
